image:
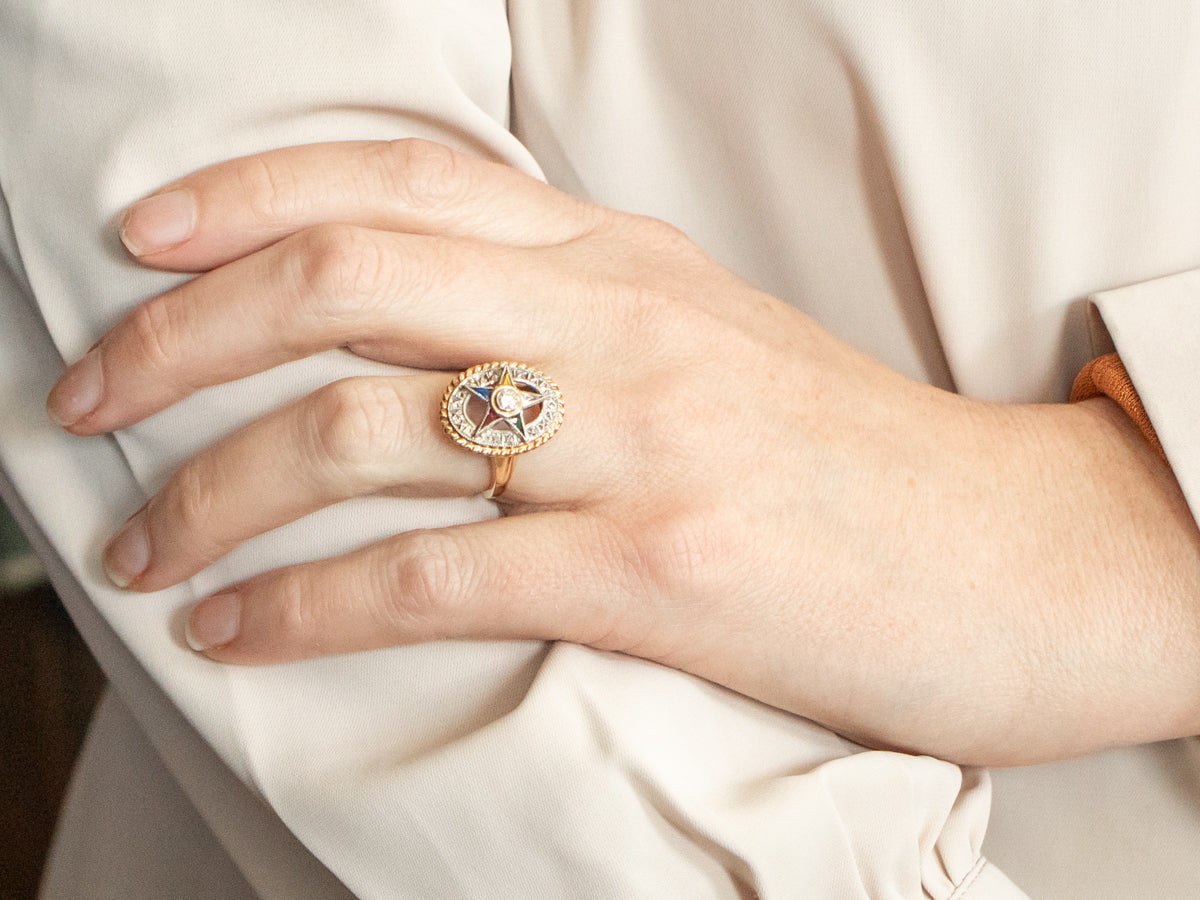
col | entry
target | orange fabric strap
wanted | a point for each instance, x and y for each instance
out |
(1106, 375)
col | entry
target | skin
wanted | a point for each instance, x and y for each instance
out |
(734, 493)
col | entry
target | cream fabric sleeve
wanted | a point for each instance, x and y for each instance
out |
(1155, 327)
(452, 770)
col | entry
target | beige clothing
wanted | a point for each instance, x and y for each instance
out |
(940, 184)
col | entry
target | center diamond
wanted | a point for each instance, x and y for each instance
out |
(506, 400)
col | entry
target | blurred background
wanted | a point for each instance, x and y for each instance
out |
(49, 685)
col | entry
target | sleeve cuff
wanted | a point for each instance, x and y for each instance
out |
(1154, 326)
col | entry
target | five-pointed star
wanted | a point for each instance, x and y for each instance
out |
(524, 396)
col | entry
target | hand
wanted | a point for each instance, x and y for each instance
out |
(734, 492)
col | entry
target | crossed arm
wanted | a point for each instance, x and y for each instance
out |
(734, 493)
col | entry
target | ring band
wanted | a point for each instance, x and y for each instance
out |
(502, 469)
(501, 409)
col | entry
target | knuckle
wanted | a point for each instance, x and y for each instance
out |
(428, 582)
(664, 314)
(191, 502)
(341, 268)
(289, 599)
(677, 402)
(660, 239)
(270, 191)
(354, 424)
(681, 551)
(423, 174)
(661, 285)
(663, 317)
(156, 334)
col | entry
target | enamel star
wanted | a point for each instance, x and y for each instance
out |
(501, 409)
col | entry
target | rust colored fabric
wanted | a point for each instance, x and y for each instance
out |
(1106, 375)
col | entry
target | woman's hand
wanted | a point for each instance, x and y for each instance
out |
(734, 492)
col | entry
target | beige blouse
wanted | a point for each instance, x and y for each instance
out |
(943, 184)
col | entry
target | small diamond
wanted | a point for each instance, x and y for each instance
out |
(506, 400)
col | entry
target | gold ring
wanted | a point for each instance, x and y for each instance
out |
(501, 409)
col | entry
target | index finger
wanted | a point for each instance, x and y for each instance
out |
(414, 300)
(234, 208)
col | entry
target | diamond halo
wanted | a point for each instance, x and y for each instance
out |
(501, 409)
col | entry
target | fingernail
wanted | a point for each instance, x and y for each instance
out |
(128, 554)
(77, 391)
(214, 622)
(159, 222)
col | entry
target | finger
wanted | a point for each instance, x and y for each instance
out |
(404, 299)
(233, 208)
(355, 437)
(541, 576)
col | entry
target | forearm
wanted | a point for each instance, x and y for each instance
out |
(1126, 653)
(1072, 579)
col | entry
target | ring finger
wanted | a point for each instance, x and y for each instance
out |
(355, 437)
